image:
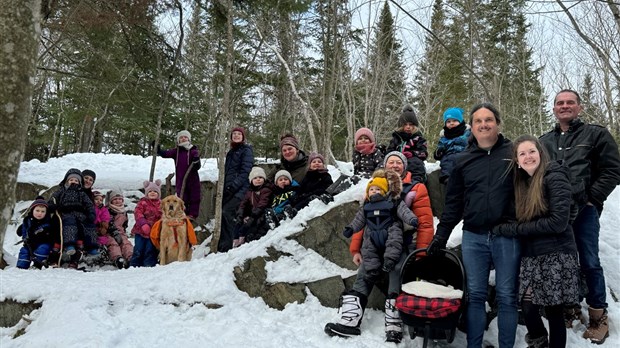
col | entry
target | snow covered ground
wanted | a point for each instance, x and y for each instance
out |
(168, 306)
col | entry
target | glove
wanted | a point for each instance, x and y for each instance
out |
(249, 221)
(507, 230)
(438, 242)
(388, 266)
(347, 232)
(326, 198)
(146, 228)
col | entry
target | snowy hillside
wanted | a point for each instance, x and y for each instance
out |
(172, 306)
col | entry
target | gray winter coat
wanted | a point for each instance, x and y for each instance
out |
(373, 254)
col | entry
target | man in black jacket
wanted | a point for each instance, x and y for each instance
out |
(480, 191)
(592, 156)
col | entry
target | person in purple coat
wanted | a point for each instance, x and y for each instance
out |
(186, 158)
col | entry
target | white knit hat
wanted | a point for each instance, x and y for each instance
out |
(257, 172)
(184, 133)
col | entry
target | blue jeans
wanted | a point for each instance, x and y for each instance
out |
(144, 253)
(480, 251)
(586, 228)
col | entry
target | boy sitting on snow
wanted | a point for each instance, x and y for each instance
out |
(36, 232)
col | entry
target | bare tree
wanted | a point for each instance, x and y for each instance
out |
(20, 33)
(223, 125)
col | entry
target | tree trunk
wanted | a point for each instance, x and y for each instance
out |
(223, 124)
(20, 33)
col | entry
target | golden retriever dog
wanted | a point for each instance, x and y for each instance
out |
(174, 234)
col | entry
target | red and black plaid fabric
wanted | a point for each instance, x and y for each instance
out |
(424, 307)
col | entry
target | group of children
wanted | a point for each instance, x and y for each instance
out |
(71, 226)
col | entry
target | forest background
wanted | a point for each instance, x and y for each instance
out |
(112, 76)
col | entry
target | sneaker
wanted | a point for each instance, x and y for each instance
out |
(70, 250)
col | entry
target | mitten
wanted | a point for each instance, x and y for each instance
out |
(507, 230)
(372, 276)
(388, 266)
(347, 232)
(438, 243)
(146, 228)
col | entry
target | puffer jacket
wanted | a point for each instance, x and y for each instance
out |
(480, 190)
(102, 220)
(239, 161)
(448, 146)
(282, 196)
(147, 212)
(255, 201)
(552, 232)
(591, 154)
(365, 164)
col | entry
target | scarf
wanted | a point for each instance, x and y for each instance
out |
(120, 209)
(186, 144)
(365, 149)
(454, 132)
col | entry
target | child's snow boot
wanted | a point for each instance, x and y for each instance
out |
(393, 323)
(120, 262)
(70, 250)
(352, 306)
(598, 328)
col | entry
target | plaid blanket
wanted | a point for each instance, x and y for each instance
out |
(424, 307)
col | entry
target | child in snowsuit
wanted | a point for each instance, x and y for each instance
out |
(120, 248)
(409, 140)
(36, 231)
(251, 223)
(381, 217)
(102, 218)
(315, 183)
(186, 158)
(147, 212)
(77, 213)
(283, 190)
(452, 140)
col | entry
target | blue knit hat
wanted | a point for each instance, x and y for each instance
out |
(454, 113)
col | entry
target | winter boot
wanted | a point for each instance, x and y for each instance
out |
(351, 310)
(539, 342)
(270, 219)
(70, 250)
(393, 323)
(572, 313)
(598, 329)
(120, 262)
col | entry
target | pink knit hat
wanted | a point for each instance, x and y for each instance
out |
(364, 131)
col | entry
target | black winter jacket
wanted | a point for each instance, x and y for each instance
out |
(296, 168)
(592, 156)
(239, 161)
(552, 232)
(480, 190)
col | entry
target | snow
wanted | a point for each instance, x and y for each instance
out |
(196, 304)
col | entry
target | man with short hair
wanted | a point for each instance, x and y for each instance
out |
(480, 192)
(592, 155)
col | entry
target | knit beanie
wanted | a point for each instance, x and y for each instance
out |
(397, 154)
(454, 113)
(315, 155)
(364, 131)
(72, 173)
(114, 194)
(380, 182)
(289, 139)
(257, 172)
(97, 193)
(152, 186)
(88, 172)
(408, 116)
(184, 133)
(39, 201)
(238, 129)
(283, 173)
